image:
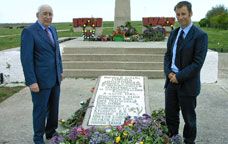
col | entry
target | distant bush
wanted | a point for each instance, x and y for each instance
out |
(215, 11)
(217, 17)
(204, 22)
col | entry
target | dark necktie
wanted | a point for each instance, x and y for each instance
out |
(179, 43)
(49, 36)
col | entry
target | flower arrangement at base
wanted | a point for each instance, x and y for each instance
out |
(118, 34)
(154, 34)
(88, 30)
(123, 33)
(145, 129)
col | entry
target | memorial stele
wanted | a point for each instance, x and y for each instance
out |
(122, 12)
(115, 98)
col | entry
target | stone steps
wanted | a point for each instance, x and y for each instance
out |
(114, 57)
(91, 62)
(114, 65)
(109, 50)
(94, 73)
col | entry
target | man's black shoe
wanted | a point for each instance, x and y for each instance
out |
(48, 137)
(176, 139)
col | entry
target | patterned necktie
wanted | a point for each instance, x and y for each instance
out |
(49, 36)
(179, 43)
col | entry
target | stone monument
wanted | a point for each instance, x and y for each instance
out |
(115, 98)
(122, 12)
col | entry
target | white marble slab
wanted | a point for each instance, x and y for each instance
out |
(116, 98)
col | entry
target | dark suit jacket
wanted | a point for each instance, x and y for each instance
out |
(192, 56)
(41, 60)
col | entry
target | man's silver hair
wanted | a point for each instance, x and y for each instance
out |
(42, 7)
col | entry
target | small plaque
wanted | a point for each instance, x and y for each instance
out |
(117, 97)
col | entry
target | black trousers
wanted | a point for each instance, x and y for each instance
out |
(174, 103)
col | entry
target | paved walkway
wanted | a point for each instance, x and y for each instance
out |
(212, 110)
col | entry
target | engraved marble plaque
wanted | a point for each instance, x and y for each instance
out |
(117, 97)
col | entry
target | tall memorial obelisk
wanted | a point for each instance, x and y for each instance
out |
(122, 12)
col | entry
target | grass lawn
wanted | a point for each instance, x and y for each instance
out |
(6, 92)
(10, 38)
(217, 39)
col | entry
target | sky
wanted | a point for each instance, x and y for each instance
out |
(24, 11)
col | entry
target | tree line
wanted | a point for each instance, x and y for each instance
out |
(217, 17)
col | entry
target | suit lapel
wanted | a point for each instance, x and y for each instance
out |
(43, 35)
(188, 37)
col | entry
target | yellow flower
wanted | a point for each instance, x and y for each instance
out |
(130, 125)
(125, 133)
(141, 142)
(118, 139)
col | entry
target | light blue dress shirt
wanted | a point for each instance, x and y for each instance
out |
(49, 31)
(186, 30)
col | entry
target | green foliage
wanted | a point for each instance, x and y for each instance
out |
(130, 30)
(215, 11)
(204, 22)
(217, 17)
(77, 117)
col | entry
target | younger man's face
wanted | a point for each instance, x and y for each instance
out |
(183, 16)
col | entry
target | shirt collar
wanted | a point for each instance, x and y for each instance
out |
(41, 25)
(186, 29)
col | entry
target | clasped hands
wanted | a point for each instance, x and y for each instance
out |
(172, 78)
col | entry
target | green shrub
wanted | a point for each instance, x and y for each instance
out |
(204, 22)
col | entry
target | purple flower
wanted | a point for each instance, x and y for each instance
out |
(98, 138)
(73, 133)
(57, 139)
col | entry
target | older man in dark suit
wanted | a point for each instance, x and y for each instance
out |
(42, 66)
(186, 52)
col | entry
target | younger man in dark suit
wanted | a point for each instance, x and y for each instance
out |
(186, 52)
(42, 66)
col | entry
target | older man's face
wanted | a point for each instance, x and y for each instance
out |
(45, 16)
(183, 16)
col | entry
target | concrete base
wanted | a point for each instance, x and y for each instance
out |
(209, 72)
(11, 68)
(223, 65)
